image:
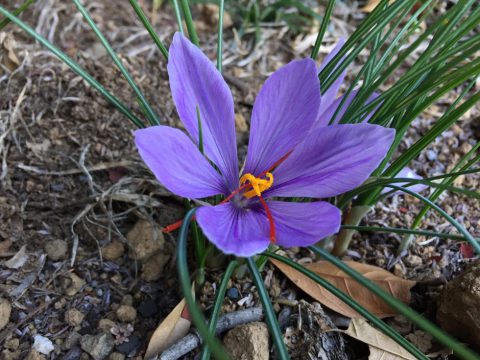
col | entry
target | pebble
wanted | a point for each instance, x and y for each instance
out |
(5, 311)
(126, 313)
(42, 344)
(152, 269)
(116, 356)
(73, 286)
(147, 308)
(35, 355)
(56, 250)
(72, 340)
(74, 317)
(10, 355)
(413, 260)
(73, 354)
(98, 346)
(248, 342)
(144, 240)
(233, 294)
(129, 347)
(106, 325)
(113, 251)
(12, 344)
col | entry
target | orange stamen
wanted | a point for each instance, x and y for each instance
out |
(176, 225)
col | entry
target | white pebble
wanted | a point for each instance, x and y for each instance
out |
(42, 344)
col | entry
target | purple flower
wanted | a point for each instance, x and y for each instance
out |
(288, 155)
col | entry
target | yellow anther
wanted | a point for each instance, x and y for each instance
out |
(258, 185)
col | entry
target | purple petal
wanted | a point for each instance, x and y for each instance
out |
(325, 117)
(406, 172)
(329, 96)
(234, 230)
(177, 163)
(303, 224)
(195, 82)
(284, 111)
(332, 160)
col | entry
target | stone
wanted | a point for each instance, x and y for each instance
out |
(12, 344)
(130, 347)
(248, 342)
(148, 308)
(74, 317)
(56, 250)
(126, 313)
(10, 355)
(458, 310)
(413, 260)
(98, 346)
(152, 269)
(35, 355)
(5, 311)
(73, 284)
(74, 353)
(42, 344)
(116, 356)
(113, 251)
(106, 325)
(144, 240)
(72, 340)
(233, 294)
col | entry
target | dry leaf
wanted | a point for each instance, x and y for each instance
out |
(381, 346)
(18, 260)
(174, 327)
(394, 285)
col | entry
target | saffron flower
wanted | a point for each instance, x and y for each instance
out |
(290, 155)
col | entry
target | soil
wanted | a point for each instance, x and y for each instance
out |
(72, 186)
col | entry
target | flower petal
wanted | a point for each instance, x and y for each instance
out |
(329, 96)
(303, 224)
(177, 163)
(325, 117)
(195, 82)
(406, 172)
(234, 230)
(284, 111)
(332, 160)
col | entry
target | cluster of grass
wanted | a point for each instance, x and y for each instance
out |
(392, 35)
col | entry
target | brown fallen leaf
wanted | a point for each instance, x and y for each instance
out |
(394, 285)
(370, 5)
(174, 327)
(381, 346)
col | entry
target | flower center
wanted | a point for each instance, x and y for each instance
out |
(258, 184)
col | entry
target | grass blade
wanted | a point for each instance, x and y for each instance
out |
(270, 316)
(16, 12)
(144, 20)
(352, 303)
(149, 111)
(189, 21)
(195, 312)
(178, 15)
(458, 349)
(323, 28)
(75, 67)
(221, 10)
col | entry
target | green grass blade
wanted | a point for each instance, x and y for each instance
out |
(405, 231)
(195, 312)
(217, 305)
(270, 316)
(352, 303)
(189, 21)
(75, 67)
(459, 350)
(144, 20)
(323, 28)
(178, 15)
(149, 111)
(221, 11)
(16, 12)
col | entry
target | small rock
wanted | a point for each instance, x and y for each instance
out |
(129, 347)
(106, 325)
(10, 355)
(144, 240)
(42, 344)
(113, 251)
(74, 317)
(116, 356)
(126, 313)
(233, 294)
(152, 269)
(56, 250)
(5, 311)
(72, 340)
(413, 260)
(127, 300)
(458, 309)
(74, 284)
(73, 354)
(35, 355)
(12, 344)
(248, 342)
(147, 308)
(431, 155)
(98, 346)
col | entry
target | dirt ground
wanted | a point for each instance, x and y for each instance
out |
(72, 186)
